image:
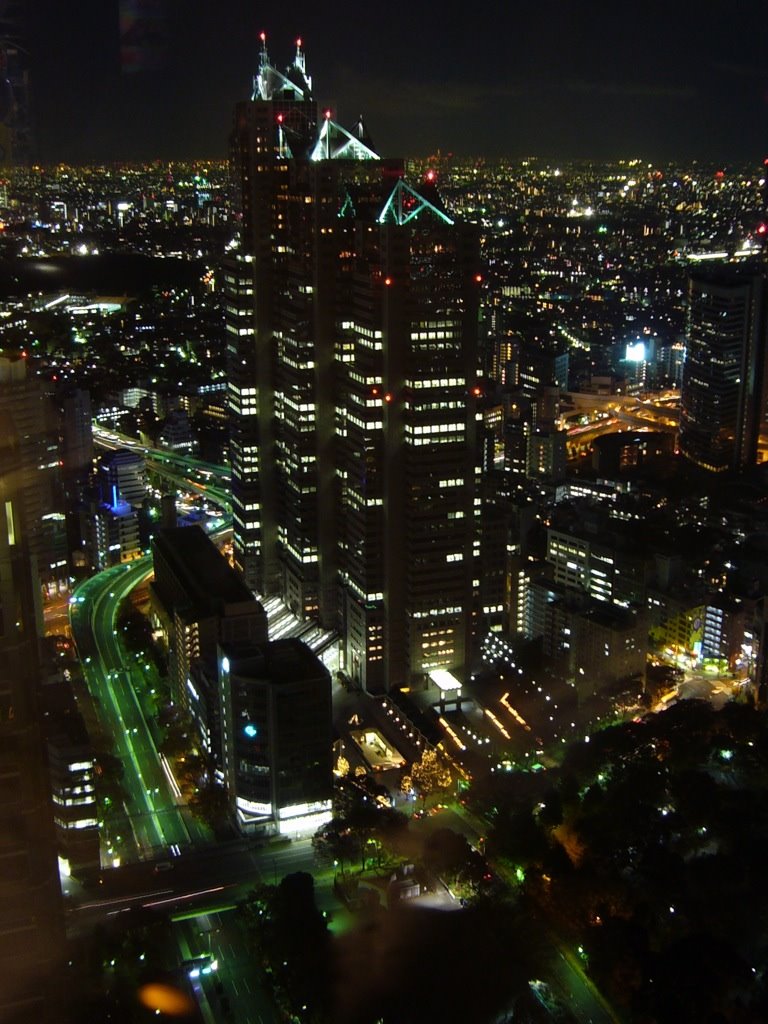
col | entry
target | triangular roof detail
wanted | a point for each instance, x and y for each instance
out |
(405, 204)
(336, 143)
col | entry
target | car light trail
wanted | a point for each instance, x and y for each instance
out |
(183, 896)
(169, 775)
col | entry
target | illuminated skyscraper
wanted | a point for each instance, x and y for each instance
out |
(721, 397)
(352, 316)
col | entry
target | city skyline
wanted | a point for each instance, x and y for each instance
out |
(555, 81)
(383, 558)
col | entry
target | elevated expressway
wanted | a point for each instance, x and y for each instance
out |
(152, 806)
(610, 414)
(159, 819)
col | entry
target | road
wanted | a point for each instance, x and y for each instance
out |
(236, 983)
(202, 878)
(153, 809)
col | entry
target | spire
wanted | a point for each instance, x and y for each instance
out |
(299, 61)
(260, 79)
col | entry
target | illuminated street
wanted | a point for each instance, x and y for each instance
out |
(153, 809)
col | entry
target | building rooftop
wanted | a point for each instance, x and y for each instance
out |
(281, 661)
(207, 576)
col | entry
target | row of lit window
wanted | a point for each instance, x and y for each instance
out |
(434, 428)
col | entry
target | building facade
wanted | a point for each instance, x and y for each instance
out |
(722, 394)
(276, 735)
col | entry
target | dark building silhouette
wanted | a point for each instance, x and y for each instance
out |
(31, 923)
(24, 398)
(199, 600)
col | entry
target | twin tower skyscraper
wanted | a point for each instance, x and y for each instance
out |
(352, 303)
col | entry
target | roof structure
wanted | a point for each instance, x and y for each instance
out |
(269, 83)
(336, 143)
(207, 576)
(406, 204)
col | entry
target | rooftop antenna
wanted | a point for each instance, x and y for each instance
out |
(299, 61)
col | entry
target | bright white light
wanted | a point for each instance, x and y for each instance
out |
(636, 352)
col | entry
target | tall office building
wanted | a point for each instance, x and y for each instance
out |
(276, 735)
(31, 922)
(722, 393)
(22, 397)
(76, 433)
(352, 310)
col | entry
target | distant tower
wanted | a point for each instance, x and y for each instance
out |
(76, 434)
(722, 392)
(31, 923)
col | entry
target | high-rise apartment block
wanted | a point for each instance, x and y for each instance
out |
(352, 310)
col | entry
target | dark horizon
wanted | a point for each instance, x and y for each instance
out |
(556, 82)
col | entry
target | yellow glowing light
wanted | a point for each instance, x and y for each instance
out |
(166, 999)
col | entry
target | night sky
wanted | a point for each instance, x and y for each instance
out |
(552, 78)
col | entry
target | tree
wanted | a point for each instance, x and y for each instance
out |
(335, 842)
(449, 855)
(430, 775)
